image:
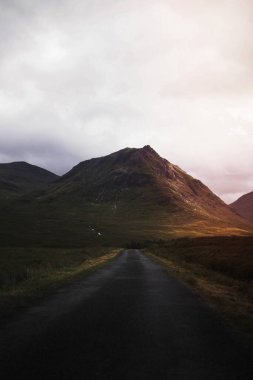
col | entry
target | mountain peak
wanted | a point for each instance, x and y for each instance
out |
(148, 148)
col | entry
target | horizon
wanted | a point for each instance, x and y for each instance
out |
(81, 79)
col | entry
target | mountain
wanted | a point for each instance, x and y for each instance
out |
(132, 194)
(139, 175)
(244, 206)
(18, 178)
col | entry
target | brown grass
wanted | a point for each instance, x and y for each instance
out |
(220, 269)
(28, 273)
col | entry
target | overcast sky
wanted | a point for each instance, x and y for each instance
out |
(81, 79)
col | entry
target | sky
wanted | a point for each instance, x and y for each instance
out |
(82, 79)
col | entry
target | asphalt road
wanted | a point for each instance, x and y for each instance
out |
(129, 320)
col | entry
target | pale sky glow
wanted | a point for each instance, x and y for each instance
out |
(81, 79)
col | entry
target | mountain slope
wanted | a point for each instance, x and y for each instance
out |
(133, 194)
(244, 206)
(18, 178)
(140, 175)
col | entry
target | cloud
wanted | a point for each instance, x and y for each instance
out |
(84, 78)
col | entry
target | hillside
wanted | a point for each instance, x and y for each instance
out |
(18, 178)
(244, 206)
(133, 194)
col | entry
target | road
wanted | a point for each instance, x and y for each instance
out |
(128, 320)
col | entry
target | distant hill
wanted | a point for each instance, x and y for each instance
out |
(18, 178)
(130, 195)
(244, 206)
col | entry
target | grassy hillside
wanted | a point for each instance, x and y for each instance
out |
(18, 178)
(69, 223)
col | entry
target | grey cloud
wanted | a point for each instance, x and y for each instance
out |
(84, 78)
(47, 154)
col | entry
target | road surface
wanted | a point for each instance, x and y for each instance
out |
(129, 320)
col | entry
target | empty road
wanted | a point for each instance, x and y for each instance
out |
(129, 320)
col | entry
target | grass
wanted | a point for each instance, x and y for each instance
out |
(219, 268)
(67, 223)
(28, 273)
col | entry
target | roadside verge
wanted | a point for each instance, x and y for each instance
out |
(27, 274)
(230, 297)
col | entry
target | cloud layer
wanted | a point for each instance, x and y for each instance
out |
(84, 78)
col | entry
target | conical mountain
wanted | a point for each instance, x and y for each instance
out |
(140, 175)
(132, 194)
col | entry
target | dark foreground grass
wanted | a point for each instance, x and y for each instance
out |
(28, 273)
(219, 268)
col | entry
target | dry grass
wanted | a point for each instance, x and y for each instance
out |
(28, 273)
(220, 269)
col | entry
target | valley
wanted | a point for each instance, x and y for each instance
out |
(188, 255)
